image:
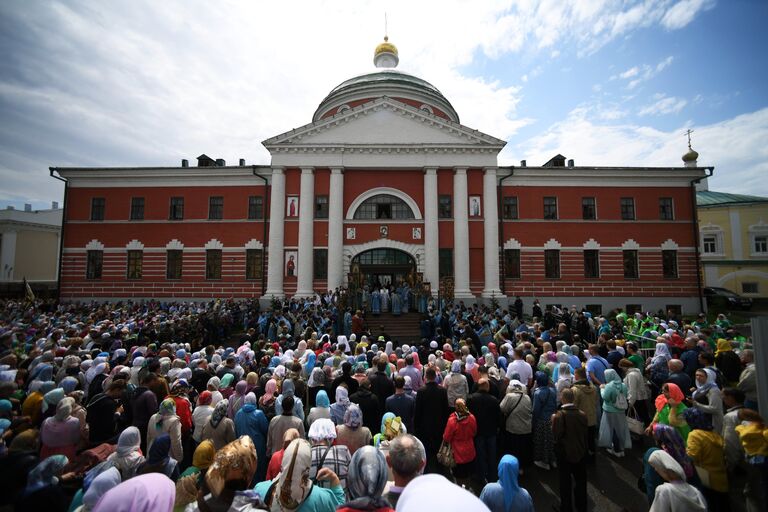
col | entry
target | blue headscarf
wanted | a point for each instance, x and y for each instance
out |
(42, 371)
(321, 400)
(502, 363)
(542, 380)
(509, 469)
(274, 362)
(160, 449)
(310, 364)
(69, 384)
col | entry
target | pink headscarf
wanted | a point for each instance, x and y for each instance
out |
(152, 492)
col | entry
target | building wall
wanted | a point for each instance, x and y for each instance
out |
(36, 255)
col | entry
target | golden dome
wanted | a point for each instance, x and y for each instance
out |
(386, 46)
(690, 156)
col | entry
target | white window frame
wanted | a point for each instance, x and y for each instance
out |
(756, 231)
(709, 230)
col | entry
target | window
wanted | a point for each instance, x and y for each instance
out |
(135, 260)
(631, 309)
(666, 209)
(137, 208)
(588, 209)
(215, 208)
(591, 263)
(760, 244)
(213, 264)
(676, 309)
(552, 263)
(710, 244)
(320, 264)
(627, 208)
(321, 207)
(446, 263)
(177, 208)
(749, 288)
(550, 208)
(669, 263)
(94, 264)
(97, 208)
(595, 309)
(631, 270)
(253, 263)
(512, 263)
(444, 207)
(173, 263)
(509, 208)
(383, 206)
(255, 207)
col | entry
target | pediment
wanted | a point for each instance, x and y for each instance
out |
(384, 122)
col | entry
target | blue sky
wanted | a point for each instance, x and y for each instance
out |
(606, 82)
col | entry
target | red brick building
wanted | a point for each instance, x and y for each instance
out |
(385, 183)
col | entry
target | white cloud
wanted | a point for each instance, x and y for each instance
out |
(664, 105)
(735, 147)
(643, 73)
(683, 12)
(633, 71)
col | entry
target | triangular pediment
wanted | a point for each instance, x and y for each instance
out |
(384, 122)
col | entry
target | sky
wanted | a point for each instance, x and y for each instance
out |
(605, 82)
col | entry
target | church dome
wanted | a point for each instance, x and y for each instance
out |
(690, 156)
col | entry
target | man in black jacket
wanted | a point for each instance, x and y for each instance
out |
(430, 417)
(144, 405)
(369, 405)
(345, 378)
(103, 413)
(381, 385)
(487, 413)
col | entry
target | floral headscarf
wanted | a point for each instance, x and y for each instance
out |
(234, 462)
(366, 480)
(669, 439)
(293, 485)
(219, 412)
(353, 417)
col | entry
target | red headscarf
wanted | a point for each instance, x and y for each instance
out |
(674, 393)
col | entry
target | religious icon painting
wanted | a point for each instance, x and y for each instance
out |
(351, 233)
(292, 206)
(290, 263)
(416, 233)
(383, 231)
(474, 206)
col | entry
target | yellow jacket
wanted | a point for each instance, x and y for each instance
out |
(705, 448)
(754, 439)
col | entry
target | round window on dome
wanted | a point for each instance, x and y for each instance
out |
(426, 108)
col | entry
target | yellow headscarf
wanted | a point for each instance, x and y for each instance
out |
(723, 345)
(204, 454)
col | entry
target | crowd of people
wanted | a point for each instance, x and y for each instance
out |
(221, 406)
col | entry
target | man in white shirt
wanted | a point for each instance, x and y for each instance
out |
(519, 366)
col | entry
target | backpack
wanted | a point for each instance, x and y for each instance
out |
(621, 401)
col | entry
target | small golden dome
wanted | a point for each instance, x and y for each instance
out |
(690, 156)
(386, 46)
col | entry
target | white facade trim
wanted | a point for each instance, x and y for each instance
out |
(669, 245)
(591, 245)
(174, 245)
(757, 230)
(213, 244)
(415, 250)
(134, 245)
(413, 205)
(552, 244)
(736, 243)
(254, 244)
(710, 229)
(94, 245)
(512, 243)
(630, 245)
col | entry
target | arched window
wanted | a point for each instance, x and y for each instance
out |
(383, 206)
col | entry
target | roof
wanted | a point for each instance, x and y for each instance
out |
(711, 198)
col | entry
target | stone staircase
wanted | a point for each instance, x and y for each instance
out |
(402, 329)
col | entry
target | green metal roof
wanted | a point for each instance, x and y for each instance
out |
(386, 77)
(711, 198)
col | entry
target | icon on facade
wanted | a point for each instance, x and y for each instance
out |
(351, 233)
(292, 206)
(417, 233)
(290, 263)
(383, 231)
(474, 206)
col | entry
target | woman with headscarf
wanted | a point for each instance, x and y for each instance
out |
(707, 397)
(325, 454)
(728, 362)
(456, 384)
(669, 440)
(145, 493)
(237, 399)
(506, 495)
(251, 421)
(366, 480)
(100, 485)
(159, 459)
(544, 405)
(189, 481)
(273, 469)
(339, 408)
(268, 399)
(226, 388)
(460, 432)
(60, 434)
(166, 421)
(352, 433)
(656, 367)
(564, 378)
(516, 407)
(127, 457)
(201, 415)
(705, 447)
(95, 377)
(614, 433)
(322, 409)
(214, 383)
(315, 384)
(43, 491)
(472, 368)
(669, 410)
(50, 400)
(32, 405)
(219, 429)
(675, 495)
(289, 389)
(294, 490)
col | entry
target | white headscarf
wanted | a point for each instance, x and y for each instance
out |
(294, 484)
(435, 492)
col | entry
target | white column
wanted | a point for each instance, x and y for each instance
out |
(275, 262)
(491, 234)
(461, 235)
(336, 229)
(306, 233)
(431, 237)
(8, 255)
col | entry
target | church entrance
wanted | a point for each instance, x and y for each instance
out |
(382, 267)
